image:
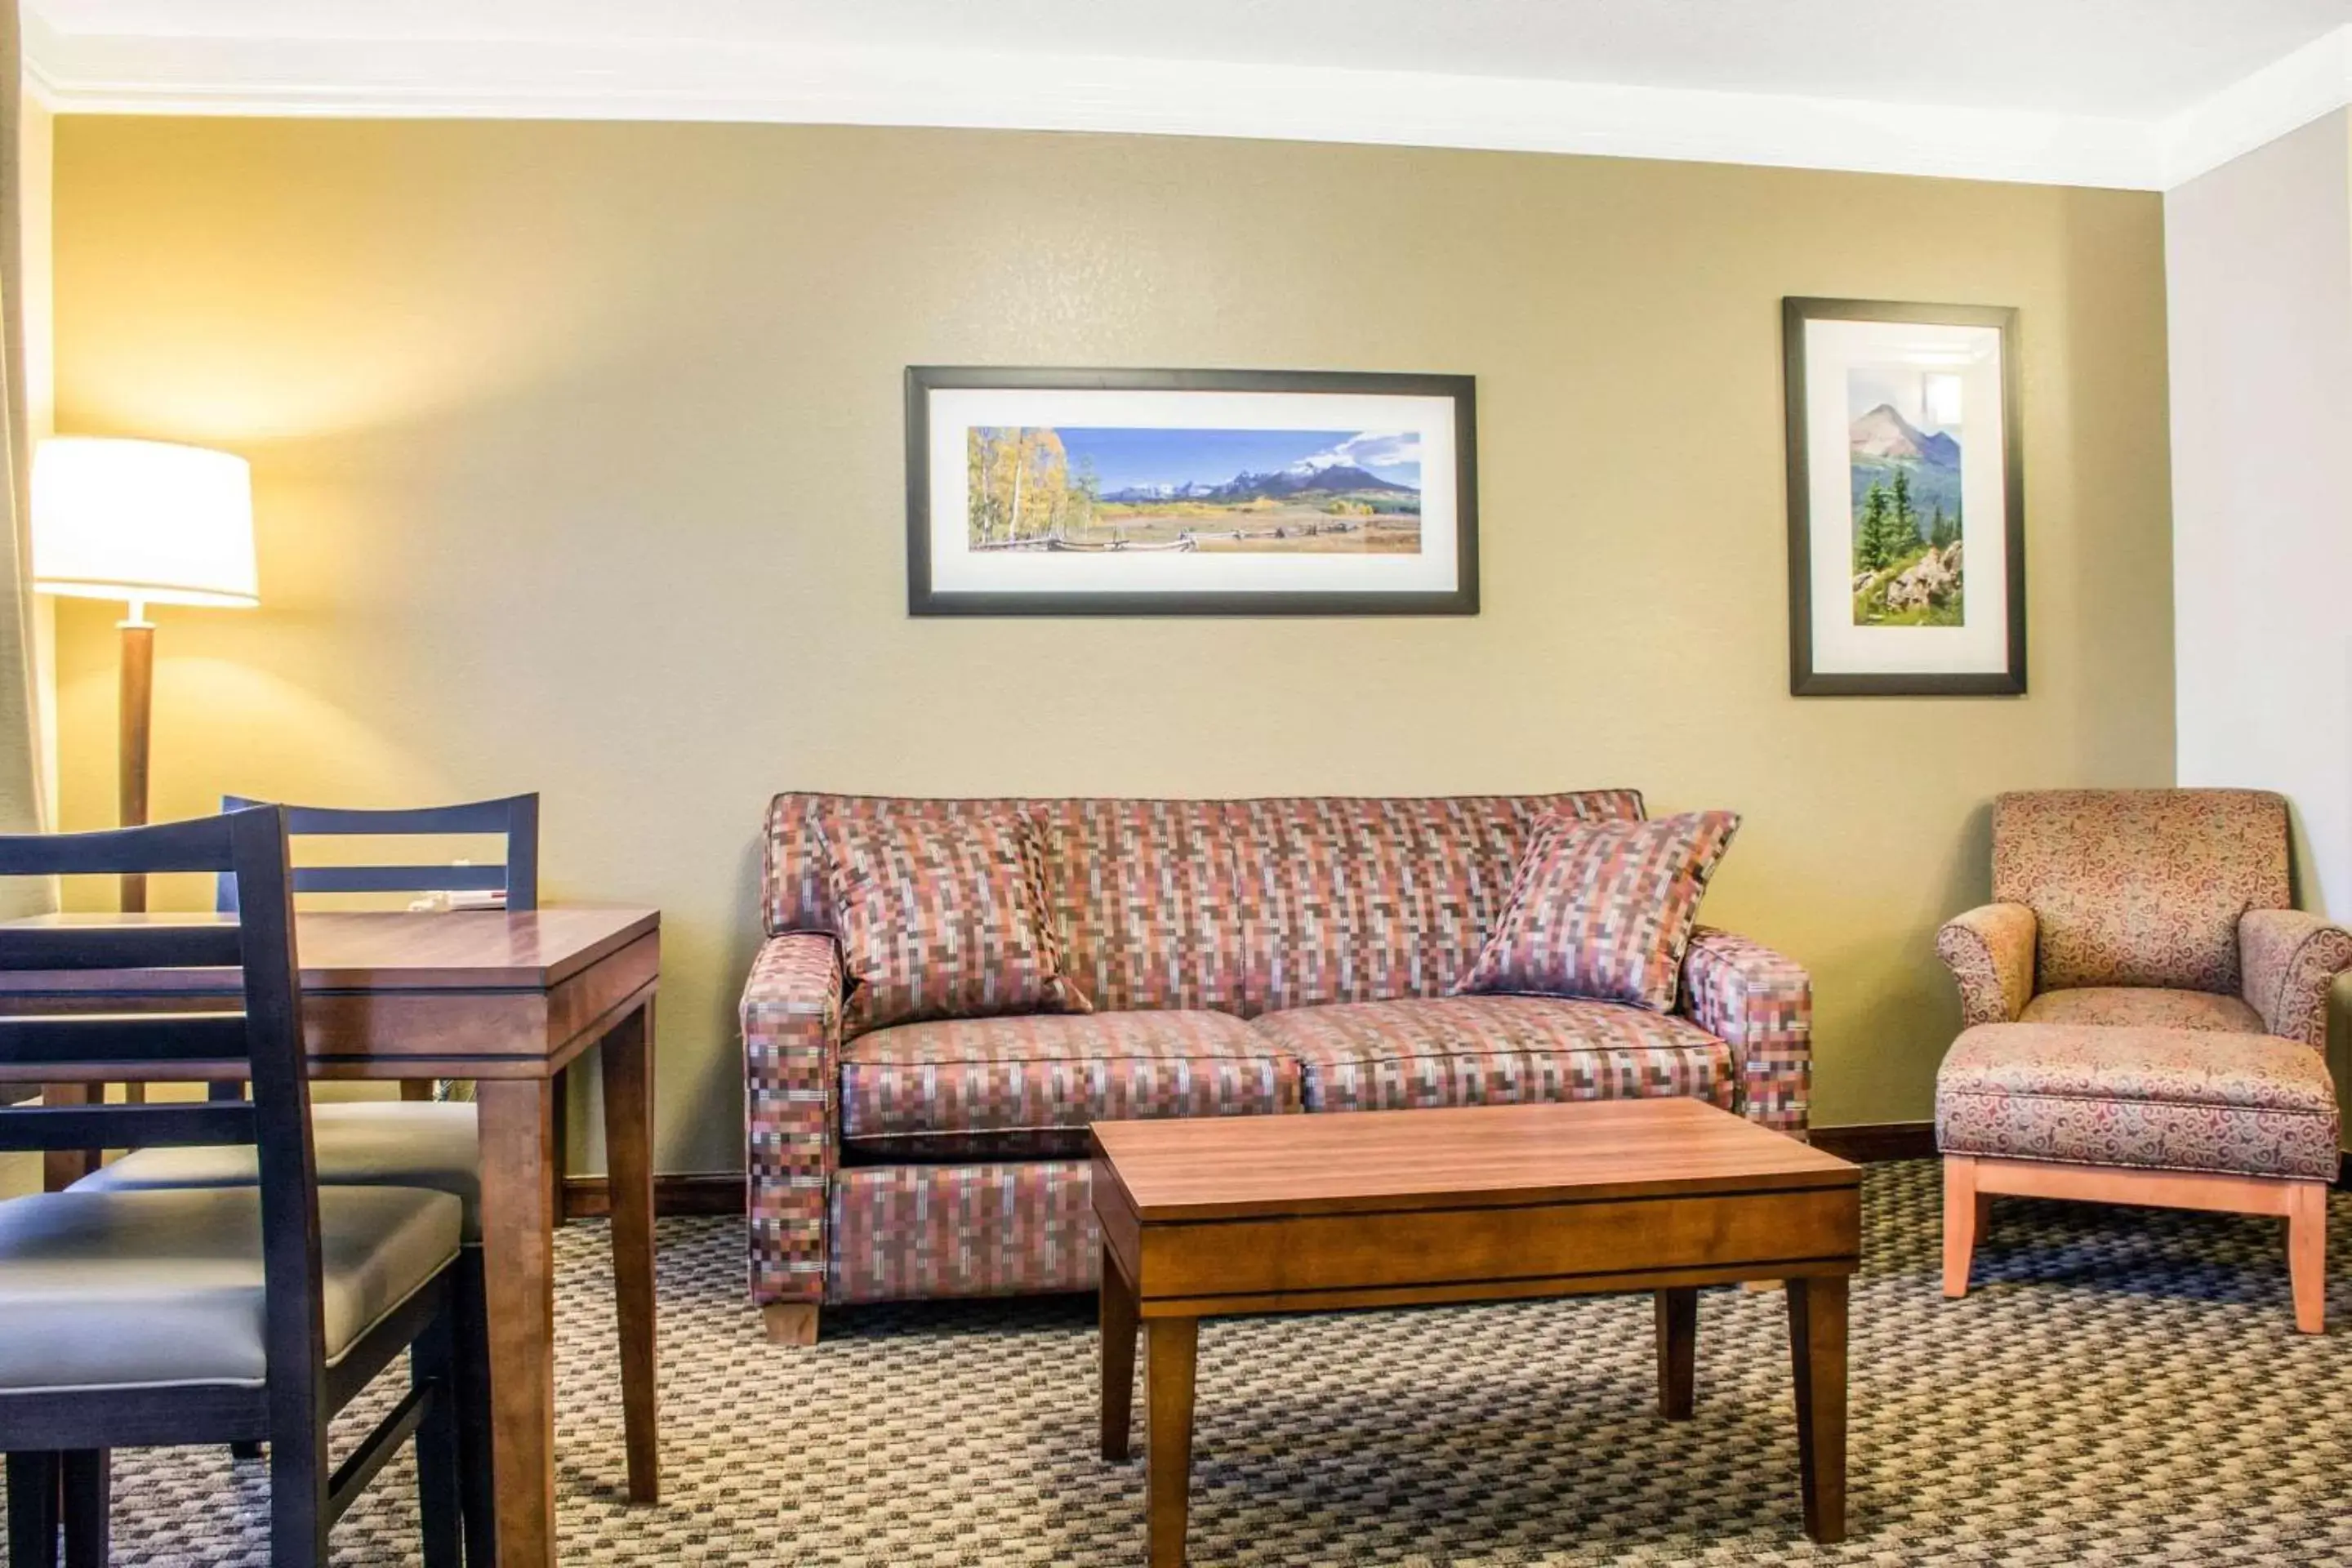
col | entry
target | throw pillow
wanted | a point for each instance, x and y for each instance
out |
(946, 917)
(1603, 910)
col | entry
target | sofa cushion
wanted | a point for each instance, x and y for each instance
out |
(1495, 1050)
(1243, 906)
(1603, 910)
(2143, 1005)
(1025, 1088)
(946, 918)
(1366, 899)
(2182, 1100)
(2140, 886)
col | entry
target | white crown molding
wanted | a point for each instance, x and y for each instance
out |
(616, 80)
(2284, 96)
(85, 73)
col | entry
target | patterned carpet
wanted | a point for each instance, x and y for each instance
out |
(2123, 1387)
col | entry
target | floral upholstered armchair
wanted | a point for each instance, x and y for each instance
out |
(2147, 1020)
(2165, 908)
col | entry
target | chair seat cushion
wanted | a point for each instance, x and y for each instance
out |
(1027, 1086)
(115, 1289)
(364, 1144)
(1495, 1050)
(2181, 1100)
(2144, 1005)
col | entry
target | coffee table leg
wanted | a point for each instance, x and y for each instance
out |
(1677, 1314)
(1817, 1348)
(1118, 1358)
(1174, 1342)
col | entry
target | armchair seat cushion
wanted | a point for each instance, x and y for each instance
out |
(119, 1289)
(1026, 1086)
(358, 1143)
(2145, 1005)
(2159, 1098)
(1495, 1050)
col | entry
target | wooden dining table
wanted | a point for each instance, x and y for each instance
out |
(506, 999)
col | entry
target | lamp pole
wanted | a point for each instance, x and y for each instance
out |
(137, 704)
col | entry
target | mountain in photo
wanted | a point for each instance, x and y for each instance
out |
(1882, 442)
(1283, 484)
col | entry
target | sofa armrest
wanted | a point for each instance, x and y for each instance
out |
(2287, 959)
(1989, 951)
(1761, 1005)
(792, 1082)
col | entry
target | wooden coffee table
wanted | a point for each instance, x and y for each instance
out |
(1205, 1218)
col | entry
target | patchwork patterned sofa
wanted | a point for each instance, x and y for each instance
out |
(1243, 957)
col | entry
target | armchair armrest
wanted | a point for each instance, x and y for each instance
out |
(792, 1082)
(1989, 951)
(2287, 959)
(1760, 1005)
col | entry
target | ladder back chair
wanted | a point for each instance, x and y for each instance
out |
(514, 818)
(232, 1314)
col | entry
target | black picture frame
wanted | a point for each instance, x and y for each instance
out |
(1804, 681)
(922, 599)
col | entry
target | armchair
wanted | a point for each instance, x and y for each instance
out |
(2146, 1019)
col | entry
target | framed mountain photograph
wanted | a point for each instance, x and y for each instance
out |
(1907, 512)
(1190, 492)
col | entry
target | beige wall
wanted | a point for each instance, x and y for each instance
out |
(578, 455)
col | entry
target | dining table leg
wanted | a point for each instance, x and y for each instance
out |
(518, 1135)
(628, 1074)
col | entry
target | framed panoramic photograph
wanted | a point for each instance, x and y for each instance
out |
(1190, 492)
(1906, 508)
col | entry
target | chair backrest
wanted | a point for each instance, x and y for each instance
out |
(2140, 886)
(262, 1042)
(514, 818)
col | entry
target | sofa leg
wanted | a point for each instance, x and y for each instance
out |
(790, 1322)
(1964, 1216)
(2307, 1254)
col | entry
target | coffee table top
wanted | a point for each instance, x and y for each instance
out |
(1474, 1156)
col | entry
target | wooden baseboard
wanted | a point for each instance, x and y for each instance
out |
(1870, 1144)
(710, 1193)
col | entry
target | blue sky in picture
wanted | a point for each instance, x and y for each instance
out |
(1129, 456)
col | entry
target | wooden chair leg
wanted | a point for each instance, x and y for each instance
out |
(477, 1489)
(433, 1365)
(32, 1509)
(1964, 1215)
(790, 1322)
(297, 1496)
(2307, 1254)
(89, 1499)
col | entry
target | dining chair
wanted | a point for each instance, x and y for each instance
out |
(365, 1143)
(514, 818)
(255, 1313)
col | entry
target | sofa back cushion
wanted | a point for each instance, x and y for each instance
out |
(946, 919)
(1243, 906)
(2140, 886)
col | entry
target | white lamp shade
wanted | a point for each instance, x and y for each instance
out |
(142, 521)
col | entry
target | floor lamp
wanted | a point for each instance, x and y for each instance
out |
(148, 524)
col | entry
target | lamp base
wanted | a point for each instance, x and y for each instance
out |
(137, 705)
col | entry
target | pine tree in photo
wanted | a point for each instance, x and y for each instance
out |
(1870, 549)
(1905, 532)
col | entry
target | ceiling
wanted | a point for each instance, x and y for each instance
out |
(2090, 92)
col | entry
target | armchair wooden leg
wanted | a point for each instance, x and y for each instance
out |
(1965, 1212)
(2307, 1254)
(790, 1322)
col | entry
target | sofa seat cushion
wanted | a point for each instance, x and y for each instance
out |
(1020, 1087)
(2145, 1005)
(1495, 1050)
(2181, 1100)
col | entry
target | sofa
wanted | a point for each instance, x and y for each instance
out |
(1242, 957)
